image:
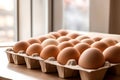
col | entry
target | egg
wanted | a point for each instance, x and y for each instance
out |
(64, 45)
(74, 41)
(42, 38)
(73, 35)
(118, 44)
(81, 47)
(88, 41)
(34, 48)
(33, 40)
(91, 58)
(62, 32)
(50, 36)
(109, 41)
(49, 51)
(99, 45)
(67, 54)
(49, 41)
(82, 37)
(97, 38)
(20, 46)
(55, 34)
(112, 54)
(63, 38)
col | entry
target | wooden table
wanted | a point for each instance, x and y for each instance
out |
(20, 72)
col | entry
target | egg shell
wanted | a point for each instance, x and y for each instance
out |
(67, 54)
(109, 41)
(33, 40)
(97, 38)
(112, 54)
(99, 45)
(50, 36)
(64, 45)
(62, 32)
(63, 38)
(34, 48)
(49, 51)
(55, 34)
(42, 38)
(49, 41)
(88, 41)
(81, 47)
(73, 35)
(82, 37)
(74, 41)
(91, 58)
(21, 45)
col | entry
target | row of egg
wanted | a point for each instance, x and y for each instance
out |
(89, 53)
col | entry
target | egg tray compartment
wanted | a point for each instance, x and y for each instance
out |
(64, 71)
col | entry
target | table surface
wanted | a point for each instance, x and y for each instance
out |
(20, 72)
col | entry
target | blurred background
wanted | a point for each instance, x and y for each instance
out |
(7, 20)
(76, 14)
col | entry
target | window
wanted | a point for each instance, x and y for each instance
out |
(76, 14)
(7, 18)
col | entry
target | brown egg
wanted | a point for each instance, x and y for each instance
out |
(50, 36)
(99, 45)
(88, 41)
(81, 47)
(34, 48)
(42, 38)
(109, 41)
(112, 54)
(74, 41)
(97, 38)
(73, 35)
(63, 32)
(49, 51)
(67, 54)
(49, 42)
(33, 40)
(55, 34)
(63, 38)
(20, 46)
(64, 45)
(82, 37)
(91, 58)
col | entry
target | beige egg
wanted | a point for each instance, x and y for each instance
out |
(81, 47)
(34, 48)
(67, 54)
(63, 38)
(99, 45)
(20, 46)
(91, 58)
(49, 51)
(49, 42)
(50, 36)
(88, 41)
(64, 45)
(33, 40)
(112, 54)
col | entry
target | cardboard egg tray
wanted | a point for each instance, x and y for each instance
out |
(71, 69)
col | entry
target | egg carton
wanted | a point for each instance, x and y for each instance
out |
(71, 69)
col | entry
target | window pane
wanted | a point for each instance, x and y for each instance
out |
(76, 14)
(7, 20)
